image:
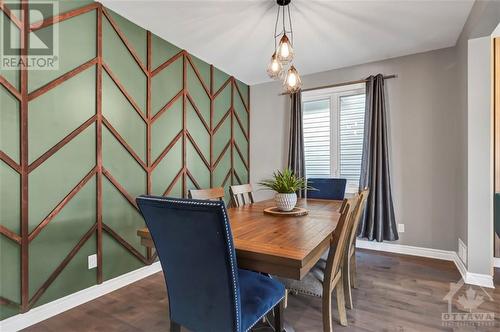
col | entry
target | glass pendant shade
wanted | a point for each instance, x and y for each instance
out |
(285, 50)
(292, 82)
(275, 68)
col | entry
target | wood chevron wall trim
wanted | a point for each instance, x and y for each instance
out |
(145, 137)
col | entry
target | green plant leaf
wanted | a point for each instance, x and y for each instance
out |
(285, 182)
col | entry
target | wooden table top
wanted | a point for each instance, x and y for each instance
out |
(292, 244)
(284, 246)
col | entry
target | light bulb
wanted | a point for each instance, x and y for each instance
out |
(292, 82)
(285, 50)
(275, 68)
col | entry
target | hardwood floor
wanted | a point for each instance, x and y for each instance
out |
(396, 293)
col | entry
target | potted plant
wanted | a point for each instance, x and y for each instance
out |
(286, 185)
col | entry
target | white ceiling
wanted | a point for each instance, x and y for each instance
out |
(237, 36)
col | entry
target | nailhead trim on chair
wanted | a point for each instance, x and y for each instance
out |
(228, 242)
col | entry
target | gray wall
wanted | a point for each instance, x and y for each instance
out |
(423, 134)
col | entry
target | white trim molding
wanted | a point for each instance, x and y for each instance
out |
(406, 250)
(496, 262)
(477, 279)
(43, 312)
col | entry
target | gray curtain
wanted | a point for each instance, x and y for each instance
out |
(378, 221)
(296, 159)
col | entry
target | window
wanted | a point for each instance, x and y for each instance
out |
(333, 122)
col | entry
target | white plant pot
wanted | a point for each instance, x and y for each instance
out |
(285, 202)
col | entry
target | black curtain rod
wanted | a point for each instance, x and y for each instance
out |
(341, 84)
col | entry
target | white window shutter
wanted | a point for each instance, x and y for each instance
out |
(352, 116)
(317, 131)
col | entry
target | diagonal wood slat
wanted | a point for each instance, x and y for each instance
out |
(168, 63)
(7, 302)
(10, 234)
(198, 75)
(124, 243)
(55, 211)
(241, 96)
(9, 161)
(192, 178)
(61, 266)
(10, 88)
(122, 141)
(125, 41)
(227, 177)
(61, 79)
(174, 181)
(237, 177)
(50, 152)
(221, 121)
(63, 17)
(166, 150)
(124, 92)
(120, 188)
(167, 106)
(198, 150)
(197, 111)
(222, 87)
(221, 155)
(241, 125)
(241, 155)
(17, 22)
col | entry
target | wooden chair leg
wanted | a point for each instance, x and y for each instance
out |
(285, 304)
(278, 316)
(327, 310)
(174, 327)
(341, 302)
(347, 282)
(352, 270)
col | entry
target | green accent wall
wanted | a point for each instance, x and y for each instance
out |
(202, 128)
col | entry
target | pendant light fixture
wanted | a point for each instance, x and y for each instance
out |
(275, 68)
(292, 81)
(283, 50)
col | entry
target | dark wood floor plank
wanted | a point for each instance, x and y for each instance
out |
(396, 293)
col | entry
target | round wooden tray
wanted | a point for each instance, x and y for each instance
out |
(296, 212)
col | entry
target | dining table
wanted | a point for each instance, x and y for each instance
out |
(280, 245)
(284, 246)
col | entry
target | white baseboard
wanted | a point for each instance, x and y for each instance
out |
(406, 250)
(477, 279)
(38, 314)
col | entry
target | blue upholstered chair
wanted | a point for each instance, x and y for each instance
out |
(206, 290)
(327, 188)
